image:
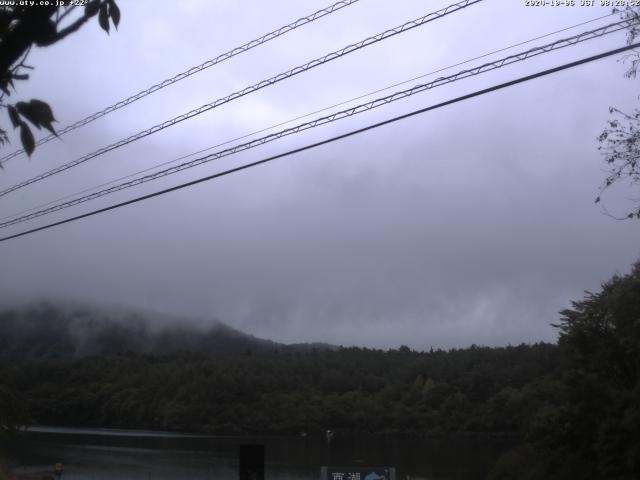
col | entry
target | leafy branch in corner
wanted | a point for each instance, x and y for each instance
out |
(620, 139)
(22, 27)
(620, 145)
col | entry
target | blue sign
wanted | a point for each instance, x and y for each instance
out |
(358, 473)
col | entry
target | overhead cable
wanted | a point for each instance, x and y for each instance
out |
(264, 83)
(300, 117)
(584, 36)
(330, 140)
(191, 71)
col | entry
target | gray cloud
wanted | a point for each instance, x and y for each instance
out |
(470, 224)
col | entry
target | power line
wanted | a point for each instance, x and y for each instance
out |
(258, 86)
(581, 37)
(344, 102)
(332, 139)
(336, 116)
(193, 70)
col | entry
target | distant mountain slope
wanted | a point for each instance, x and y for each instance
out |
(51, 330)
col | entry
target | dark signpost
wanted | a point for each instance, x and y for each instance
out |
(57, 470)
(251, 462)
(358, 473)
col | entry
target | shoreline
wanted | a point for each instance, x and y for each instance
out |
(142, 433)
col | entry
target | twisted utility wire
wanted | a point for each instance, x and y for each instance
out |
(581, 37)
(187, 73)
(264, 83)
(300, 117)
(329, 140)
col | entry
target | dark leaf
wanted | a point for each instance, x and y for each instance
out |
(26, 137)
(46, 33)
(49, 127)
(13, 116)
(42, 111)
(103, 18)
(92, 8)
(114, 13)
(597, 199)
(37, 112)
(24, 109)
(20, 76)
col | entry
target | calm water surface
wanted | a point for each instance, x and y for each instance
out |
(124, 454)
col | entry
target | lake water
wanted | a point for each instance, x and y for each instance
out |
(124, 454)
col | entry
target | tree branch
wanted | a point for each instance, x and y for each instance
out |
(66, 12)
(69, 29)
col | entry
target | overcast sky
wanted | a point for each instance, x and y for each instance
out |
(473, 223)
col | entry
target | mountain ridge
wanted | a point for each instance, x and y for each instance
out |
(66, 330)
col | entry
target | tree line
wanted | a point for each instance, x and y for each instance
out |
(476, 389)
(574, 406)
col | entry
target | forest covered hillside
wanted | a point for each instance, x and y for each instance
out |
(574, 406)
(56, 330)
(479, 389)
(78, 365)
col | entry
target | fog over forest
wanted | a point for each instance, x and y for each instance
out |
(382, 223)
(473, 223)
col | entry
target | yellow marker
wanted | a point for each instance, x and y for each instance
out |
(57, 468)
